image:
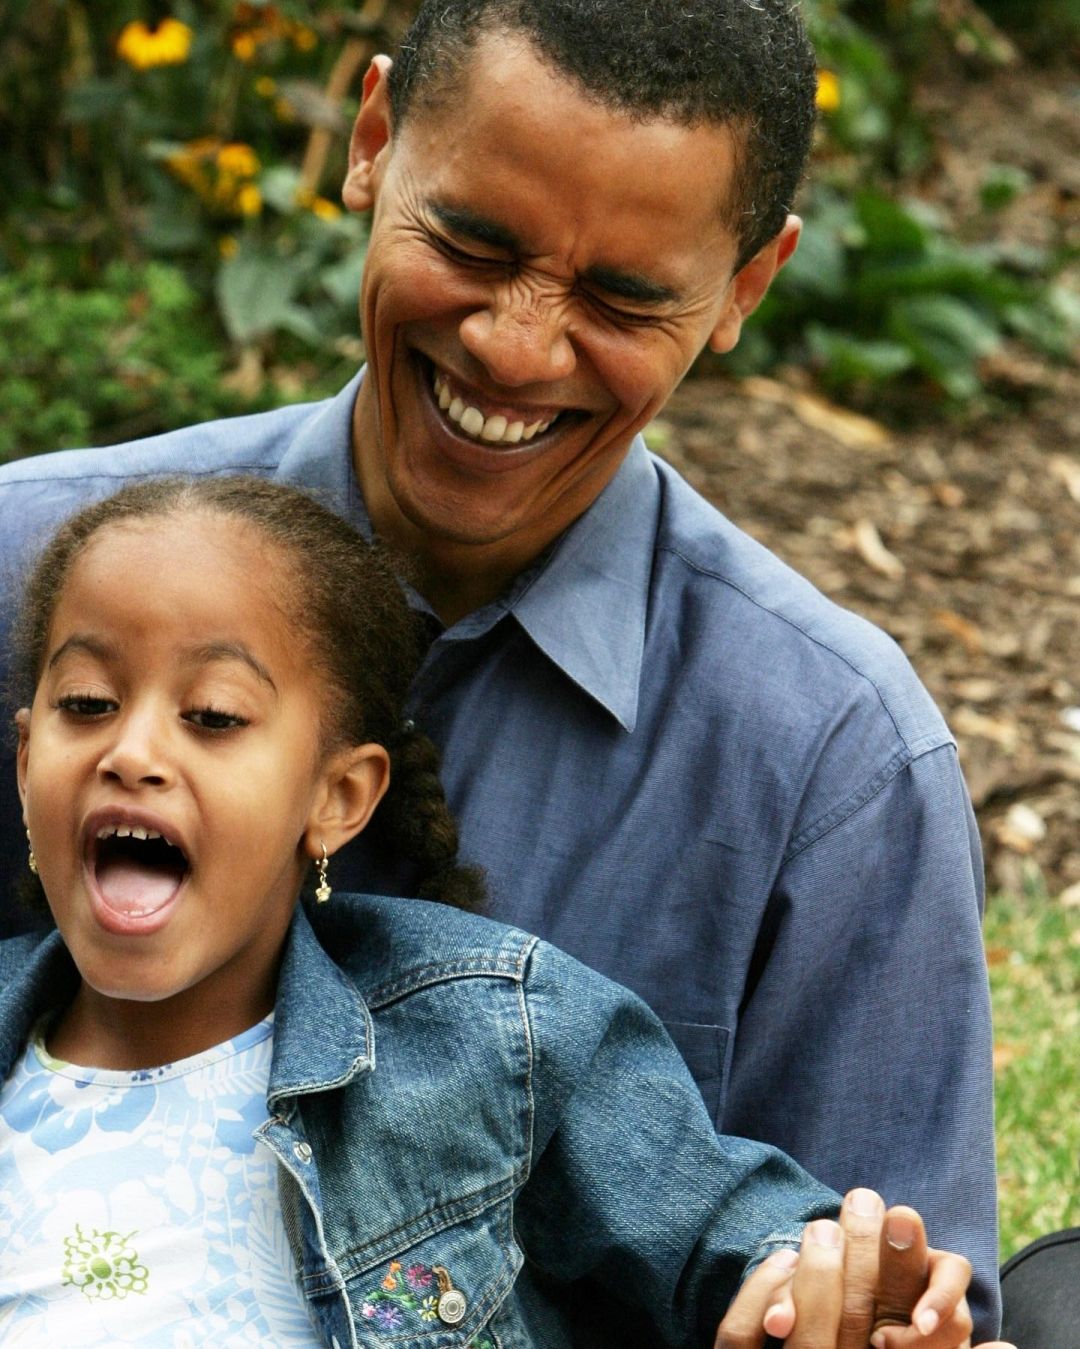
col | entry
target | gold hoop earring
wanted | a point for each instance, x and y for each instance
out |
(31, 861)
(322, 890)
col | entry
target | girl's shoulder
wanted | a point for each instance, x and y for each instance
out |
(386, 945)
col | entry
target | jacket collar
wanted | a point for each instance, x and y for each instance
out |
(584, 603)
(313, 996)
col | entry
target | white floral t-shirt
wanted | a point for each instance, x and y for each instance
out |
(136, 1208)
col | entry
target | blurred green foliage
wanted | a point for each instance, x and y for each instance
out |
(172, 247)
(881, 294)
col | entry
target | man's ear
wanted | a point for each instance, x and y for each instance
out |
(354, 782)
(747, 287)
(370, 140)
(22, 725)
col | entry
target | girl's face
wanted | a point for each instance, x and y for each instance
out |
(173, 780)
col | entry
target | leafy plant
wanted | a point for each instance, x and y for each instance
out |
(879, 292)
(134, 356)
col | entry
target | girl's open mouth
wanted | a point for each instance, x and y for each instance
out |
(136, 872)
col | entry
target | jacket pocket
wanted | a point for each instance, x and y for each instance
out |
(706, 1051)
(443, 1289)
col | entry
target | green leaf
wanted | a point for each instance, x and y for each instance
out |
(890, 227)
(846, 360)
(946, 338)
(255, 291)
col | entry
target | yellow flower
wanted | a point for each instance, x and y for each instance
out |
(304, 38)
(284, 110)
(828, 91)
(142, 47)
(238, 159)
(249, 200)
(325, 210)
(265, 87)
(227, 246)
(244, 47)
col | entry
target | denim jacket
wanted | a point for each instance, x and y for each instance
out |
(483, 1143)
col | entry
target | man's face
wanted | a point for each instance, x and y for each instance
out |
(541, 273)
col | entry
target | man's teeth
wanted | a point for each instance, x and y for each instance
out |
(498, 429)
(123, 831)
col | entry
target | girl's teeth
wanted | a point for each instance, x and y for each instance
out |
(497, 430)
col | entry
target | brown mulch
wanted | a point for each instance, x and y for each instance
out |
(961, 539)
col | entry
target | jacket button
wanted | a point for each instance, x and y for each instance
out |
(451, 1306)
(302, 1152)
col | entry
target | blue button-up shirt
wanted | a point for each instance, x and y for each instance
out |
(679, 761)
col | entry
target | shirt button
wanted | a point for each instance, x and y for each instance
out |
(302, 1152)
(451, 1306)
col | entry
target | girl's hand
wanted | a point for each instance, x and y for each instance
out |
(869, 1279)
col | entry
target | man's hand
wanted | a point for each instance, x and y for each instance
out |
(868, 1280)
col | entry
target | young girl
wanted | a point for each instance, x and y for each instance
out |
(231, 1120)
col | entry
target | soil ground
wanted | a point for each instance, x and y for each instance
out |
(961, 539)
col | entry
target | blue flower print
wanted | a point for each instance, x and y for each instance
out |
(57, 1112)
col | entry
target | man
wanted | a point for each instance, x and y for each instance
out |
(673, 756)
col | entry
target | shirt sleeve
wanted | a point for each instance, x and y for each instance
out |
(864, 1043)
(642, 1216)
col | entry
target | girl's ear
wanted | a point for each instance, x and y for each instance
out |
(22, 725)
(354, 782)
(370, 142)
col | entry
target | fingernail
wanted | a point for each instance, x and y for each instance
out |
(927, 1321)
(866, 1203)
(878, 1340)
(825, 1233)
(900, 1231)
(785, 1259)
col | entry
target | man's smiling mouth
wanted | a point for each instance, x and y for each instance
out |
(495, 429)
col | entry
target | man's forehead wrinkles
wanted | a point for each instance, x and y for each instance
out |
(615, 281)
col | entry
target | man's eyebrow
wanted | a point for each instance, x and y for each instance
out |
(81, 641)
(215, 651)
(630, 285)
(479, 228)
(612, 280)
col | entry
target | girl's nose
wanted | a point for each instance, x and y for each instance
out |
(136, 755)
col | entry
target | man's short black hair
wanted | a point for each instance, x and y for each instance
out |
(746, 64)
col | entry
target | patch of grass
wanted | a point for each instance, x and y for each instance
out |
(1033, 947)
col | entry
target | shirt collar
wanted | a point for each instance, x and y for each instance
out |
(319, 459)
(585, 607)
(583, 604)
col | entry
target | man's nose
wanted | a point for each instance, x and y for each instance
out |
(137, 752)
(521, 337)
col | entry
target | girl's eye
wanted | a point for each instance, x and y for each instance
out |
(86, 705)
(212, 719)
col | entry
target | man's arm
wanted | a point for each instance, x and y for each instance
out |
(864, 1046)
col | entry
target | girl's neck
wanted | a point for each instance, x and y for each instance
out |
(115, 1033)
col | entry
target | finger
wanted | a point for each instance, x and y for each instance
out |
(743, 1326)
(818, 1286)
(903, 1267)
(862, 1217)
(950, 1276)
(952, 1332)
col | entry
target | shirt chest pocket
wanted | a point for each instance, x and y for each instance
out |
(447, 1289)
